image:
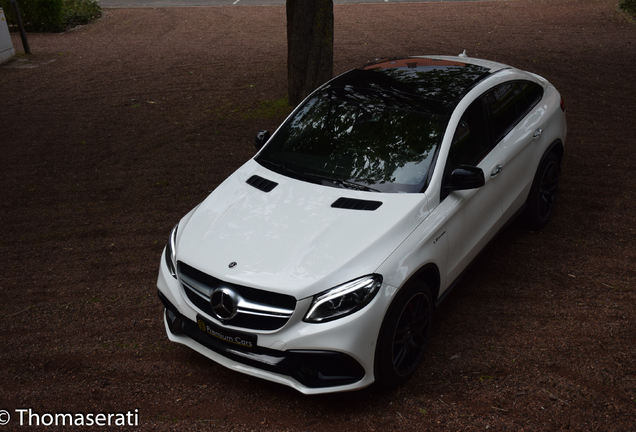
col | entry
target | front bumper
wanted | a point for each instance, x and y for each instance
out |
(311, 369)
(312, 358)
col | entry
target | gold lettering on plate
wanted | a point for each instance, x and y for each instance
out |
(235, 340)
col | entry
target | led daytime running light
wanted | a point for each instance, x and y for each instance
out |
(371, 283)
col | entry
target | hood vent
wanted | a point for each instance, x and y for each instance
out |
(356, 204)
(261, 183)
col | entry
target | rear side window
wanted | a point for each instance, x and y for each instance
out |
(529, 94)
(509, 103)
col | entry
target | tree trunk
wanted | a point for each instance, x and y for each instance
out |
(309, 46)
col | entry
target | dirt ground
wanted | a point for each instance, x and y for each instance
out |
(113, 131)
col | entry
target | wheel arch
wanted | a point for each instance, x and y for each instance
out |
(429, 274)
(557, 148)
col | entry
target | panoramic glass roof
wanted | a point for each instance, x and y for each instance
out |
(426, 84)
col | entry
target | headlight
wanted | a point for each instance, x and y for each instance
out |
(171, 258)
(344, 299)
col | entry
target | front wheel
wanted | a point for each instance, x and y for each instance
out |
(404, 335)
(542, 197)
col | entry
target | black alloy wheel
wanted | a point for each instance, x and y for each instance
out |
(411, 334)
(404, 335)
(543, 193)
(547, 190)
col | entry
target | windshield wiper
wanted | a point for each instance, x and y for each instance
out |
(345, 184)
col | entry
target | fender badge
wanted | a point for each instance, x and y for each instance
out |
(232, 264)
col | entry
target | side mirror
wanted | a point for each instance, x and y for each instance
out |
(261, 138)
(466, 177)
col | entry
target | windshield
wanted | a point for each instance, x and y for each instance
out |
(360, 138)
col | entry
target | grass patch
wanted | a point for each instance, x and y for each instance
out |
(271, 109)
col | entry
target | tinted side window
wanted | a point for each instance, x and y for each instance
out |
(529, 94)
(503, 111)
(471, 140)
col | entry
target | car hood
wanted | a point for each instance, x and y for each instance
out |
(290, 239)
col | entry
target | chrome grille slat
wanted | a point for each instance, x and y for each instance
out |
(263, 310)
(257, 313)
(197, 286)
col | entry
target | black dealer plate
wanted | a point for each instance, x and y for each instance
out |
(241, 339)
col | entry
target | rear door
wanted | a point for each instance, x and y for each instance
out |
(518, 132)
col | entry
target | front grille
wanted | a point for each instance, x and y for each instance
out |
(265, 310)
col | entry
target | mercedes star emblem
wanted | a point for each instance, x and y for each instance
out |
(224, 303)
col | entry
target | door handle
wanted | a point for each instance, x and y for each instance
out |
(537, 134)
(495, 171)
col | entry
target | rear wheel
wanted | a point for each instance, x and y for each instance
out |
(543, 193)
(404, 335)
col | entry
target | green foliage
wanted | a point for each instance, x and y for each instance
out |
(52, 15)
(37, 15)
(79, 12)
(629, 6)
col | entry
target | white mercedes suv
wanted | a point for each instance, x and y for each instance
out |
(319, 262)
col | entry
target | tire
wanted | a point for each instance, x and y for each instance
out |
(542, 197)
(403, 336)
